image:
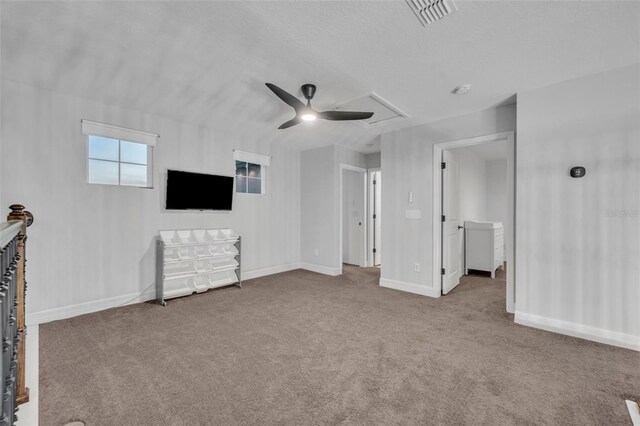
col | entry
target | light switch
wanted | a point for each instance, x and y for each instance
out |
(411, 196)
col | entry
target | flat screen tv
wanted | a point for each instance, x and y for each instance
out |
(197, 191)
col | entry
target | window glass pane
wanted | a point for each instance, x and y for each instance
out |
(133, 175)
(254, 170)
(241, 168)
(131, 152)
(103, 172)
(241, 184)
(255, 186)
(103, 148)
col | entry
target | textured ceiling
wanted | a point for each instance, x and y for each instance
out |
(206, 62)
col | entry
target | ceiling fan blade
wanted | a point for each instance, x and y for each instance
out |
(290, 123)
(344, 115)
(286, 97)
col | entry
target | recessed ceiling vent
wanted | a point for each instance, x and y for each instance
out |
(383, 112)
(430, 11)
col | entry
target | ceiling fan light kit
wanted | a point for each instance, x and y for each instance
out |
(306, 113)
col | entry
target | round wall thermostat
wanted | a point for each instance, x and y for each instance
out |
(577, 172)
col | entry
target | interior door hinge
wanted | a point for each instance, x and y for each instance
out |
(443, 165)
(443, 218)
(442, 271)
(374, 182)
(374, 216)
(374, 250)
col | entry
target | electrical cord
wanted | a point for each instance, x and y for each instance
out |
(135, 297)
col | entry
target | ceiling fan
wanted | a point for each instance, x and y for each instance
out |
(306, 113)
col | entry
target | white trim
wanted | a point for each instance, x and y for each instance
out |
(70, 311)
(511, 197)
(568, 328)
(370, 208)
(344, 166)
(361, 262)
(257, 273)
(410, 287)
(325, 270)
(250, 157)
(380, 100)
(352, 261)
(116, 132)
(634, 412)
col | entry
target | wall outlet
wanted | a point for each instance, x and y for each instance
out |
(413, 214)
(416, 267)
(315, 251)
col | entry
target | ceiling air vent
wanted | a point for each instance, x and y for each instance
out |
(383, 111)
(430, 11)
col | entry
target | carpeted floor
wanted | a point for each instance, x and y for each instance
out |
(300, 348)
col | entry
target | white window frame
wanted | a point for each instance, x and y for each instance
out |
(264, 161)
(93, 128)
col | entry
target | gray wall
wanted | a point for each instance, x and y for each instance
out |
(473, 184)
(320, 205)
(407, 158)
(317, 204)
(93, 245)
(373, 161)
(578, 240)
(497, 192)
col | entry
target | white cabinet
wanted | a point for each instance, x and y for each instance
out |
(196, 260)
(484, 246)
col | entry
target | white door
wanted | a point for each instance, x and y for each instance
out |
(353, 211)
(377, 219)
(451, 254)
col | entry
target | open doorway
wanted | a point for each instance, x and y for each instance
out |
(474, 211)
(353, 208)
(375, 217)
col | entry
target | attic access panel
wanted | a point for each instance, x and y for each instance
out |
(383, 111)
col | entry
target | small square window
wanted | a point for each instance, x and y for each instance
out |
(118, 162)
(250, 178)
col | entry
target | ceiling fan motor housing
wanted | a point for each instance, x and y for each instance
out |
(308, 90)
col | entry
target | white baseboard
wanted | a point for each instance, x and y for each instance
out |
(321, 269)
(409, 287)
(634, 412)
(69, 311)
(249, 275)
(55, 314)
(350, 261)
(595, 334)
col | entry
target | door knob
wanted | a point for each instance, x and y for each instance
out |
(460, 227)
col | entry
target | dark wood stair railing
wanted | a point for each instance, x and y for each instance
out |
(19, 213)
(13, 236)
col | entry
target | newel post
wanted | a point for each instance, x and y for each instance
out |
(19, 213)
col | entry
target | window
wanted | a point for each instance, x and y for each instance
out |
(118, 162)
(118, 156)
(251, 172)
(249, 178)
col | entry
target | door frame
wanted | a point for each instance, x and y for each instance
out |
(343, 167)
(510, 228)
(370, 225)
